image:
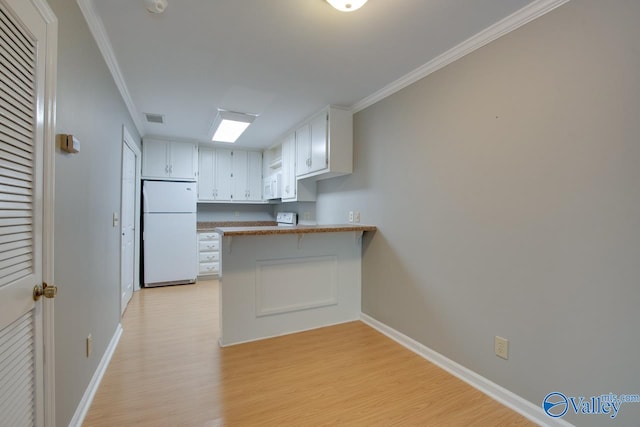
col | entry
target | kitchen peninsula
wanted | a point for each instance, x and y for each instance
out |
(278, 280)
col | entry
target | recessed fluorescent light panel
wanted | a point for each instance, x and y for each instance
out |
(229, 125)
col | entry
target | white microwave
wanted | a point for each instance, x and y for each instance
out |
(272, 186)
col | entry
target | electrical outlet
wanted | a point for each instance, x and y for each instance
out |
(501, 347)
(236, 213)
(306, 216)
(89, 342)
(350, 216)
(356, 217)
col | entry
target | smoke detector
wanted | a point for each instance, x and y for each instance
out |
(155, 6)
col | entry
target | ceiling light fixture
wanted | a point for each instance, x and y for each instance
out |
(347, 5)
(229, 125)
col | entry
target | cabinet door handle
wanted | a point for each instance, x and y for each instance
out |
(166, 169)
(170, 168)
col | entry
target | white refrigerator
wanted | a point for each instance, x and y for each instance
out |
(169, 232)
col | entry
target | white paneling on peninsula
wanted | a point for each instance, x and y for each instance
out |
(169, 160)
(280, 280)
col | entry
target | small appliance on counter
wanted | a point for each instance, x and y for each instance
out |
(287, 219)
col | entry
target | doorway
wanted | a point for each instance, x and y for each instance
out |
(129, 220)
(27, 66)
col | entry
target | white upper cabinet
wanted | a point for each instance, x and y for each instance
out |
(246, 176)
(289, 167)
(206, 178)
(319, 142)
(303, 149)
(324, 144)
(169, 160)
(223, 173)
(214, 182)
(292, 189)
(229, 175)
(254, 176)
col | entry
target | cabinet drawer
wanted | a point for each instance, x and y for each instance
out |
(209, 268)
(212, 245)
(209, 257)
(206, 237)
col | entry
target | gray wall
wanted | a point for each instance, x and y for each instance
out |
(87, 247)
(506, 189)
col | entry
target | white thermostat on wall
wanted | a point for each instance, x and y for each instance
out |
(69, 143)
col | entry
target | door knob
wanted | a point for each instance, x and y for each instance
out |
(46, 290)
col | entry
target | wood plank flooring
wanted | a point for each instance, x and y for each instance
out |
(169, 371)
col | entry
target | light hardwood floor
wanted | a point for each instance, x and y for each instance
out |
(169, 371)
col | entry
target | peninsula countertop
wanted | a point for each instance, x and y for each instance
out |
(299, 229)
(212, 225)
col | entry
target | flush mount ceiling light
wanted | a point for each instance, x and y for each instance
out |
(229, 125)
(347, 5)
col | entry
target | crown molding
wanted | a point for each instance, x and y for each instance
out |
(514, 21)
(100, 35)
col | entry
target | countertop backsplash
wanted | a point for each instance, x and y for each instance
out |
(218, 212)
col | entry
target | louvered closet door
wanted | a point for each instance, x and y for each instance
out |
(22, 38)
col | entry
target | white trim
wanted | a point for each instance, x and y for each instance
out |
(129, 140)
(491, 389)
(48, 207)
(102, 40)
(92, 388)
(512, 22)
(515, 20)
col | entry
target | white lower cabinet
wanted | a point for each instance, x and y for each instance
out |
(208, 254)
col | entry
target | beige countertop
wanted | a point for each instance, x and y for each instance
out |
(299, 229)
(212, 225)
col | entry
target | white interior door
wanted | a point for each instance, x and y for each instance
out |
(23, 34)
(128, 220)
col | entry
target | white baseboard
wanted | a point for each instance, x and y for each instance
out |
(90, 392)
(491, 389)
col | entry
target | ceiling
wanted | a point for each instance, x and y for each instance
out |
(281, 59)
